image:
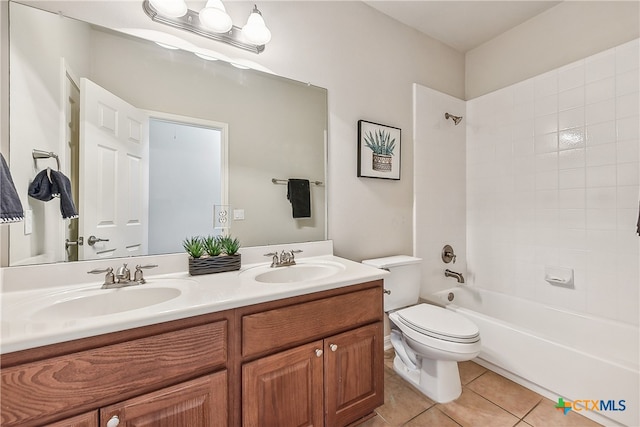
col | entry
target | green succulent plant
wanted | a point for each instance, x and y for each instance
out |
(229, 245)
(212, 245)
(380, 142)
(193, 246)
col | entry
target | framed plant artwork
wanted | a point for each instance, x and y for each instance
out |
(378, 150)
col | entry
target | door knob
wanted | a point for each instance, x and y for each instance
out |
(318, 352)
(92, 240)
(113, 422)
(333, 347)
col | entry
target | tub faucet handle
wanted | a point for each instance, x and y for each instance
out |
(448, 255)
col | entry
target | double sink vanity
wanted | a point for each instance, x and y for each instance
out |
(263, 346)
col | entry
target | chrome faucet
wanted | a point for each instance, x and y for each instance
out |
(122, 277)
(286, 258)
(458, 276)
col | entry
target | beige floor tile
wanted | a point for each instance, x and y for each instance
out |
(505, 393)
(546, 414)
(471, 409)
(401, 401)
(523, 424)
(376, 421)
(389, 355)
(432, 417)
(469, 371)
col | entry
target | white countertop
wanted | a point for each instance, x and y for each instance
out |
(21, 329)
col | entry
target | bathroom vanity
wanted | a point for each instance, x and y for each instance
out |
(299, 353)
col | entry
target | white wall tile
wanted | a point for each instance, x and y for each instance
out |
(602, 111)
(601, 176)
(560, 184)
(572, 98)
(573, 118)
(628, 105)
(600, 90)
(545, 84)
(628, 197)
(600, 66)
(628, 56)
(546, 143)
(628, 82)
(599, 155)
(571, 178)
(628, 128)
(601, 133)
(571, 76)
(601, 198)
(571, 138)
(571, 159)
(546, 124)
(573, 198)
(628, 173)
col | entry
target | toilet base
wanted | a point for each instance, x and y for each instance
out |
(439, 380)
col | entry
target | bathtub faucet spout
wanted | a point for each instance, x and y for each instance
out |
(458, 276)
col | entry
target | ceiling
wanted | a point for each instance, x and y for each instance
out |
(463, 25)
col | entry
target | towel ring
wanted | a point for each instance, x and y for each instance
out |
(40, 154)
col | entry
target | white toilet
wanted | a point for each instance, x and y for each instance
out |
(429, 341)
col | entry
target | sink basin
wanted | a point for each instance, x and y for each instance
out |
(94, 302)
(295, 273)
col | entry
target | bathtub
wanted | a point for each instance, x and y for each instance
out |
(555, 352)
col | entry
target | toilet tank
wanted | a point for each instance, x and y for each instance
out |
(403, 282)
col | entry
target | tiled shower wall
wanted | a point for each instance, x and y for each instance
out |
(553, 180)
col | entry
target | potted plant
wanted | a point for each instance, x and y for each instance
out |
(212, 254)
(382, 145)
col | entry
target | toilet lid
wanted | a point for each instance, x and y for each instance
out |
(439, 323)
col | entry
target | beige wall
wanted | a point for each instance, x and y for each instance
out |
(563, 34)
(4, 112)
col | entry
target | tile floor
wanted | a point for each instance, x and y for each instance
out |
(487, 400)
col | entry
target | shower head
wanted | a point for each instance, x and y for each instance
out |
(456, 119)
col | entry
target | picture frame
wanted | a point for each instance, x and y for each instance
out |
(379, 148)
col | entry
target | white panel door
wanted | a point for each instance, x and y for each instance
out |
(114, 165)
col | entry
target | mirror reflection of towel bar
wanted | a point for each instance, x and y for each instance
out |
(285, 181)
(40, 154)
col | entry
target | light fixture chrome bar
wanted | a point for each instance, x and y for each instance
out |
(191, 22)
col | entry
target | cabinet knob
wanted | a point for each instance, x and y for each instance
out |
(318, 352)
(333, 347)
(113, 422)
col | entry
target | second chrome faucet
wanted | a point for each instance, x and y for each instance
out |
(286, 258)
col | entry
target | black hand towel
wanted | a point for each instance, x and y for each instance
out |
(638, 229)
(300, 197)
(41, 186)
(49, 184)
(10, 205)
(61, 187)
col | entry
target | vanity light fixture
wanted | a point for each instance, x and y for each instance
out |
(212, 22)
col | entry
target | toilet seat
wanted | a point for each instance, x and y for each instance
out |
(439, 323)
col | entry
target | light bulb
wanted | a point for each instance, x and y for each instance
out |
(170, 8)
(255, 31)
(215, 17)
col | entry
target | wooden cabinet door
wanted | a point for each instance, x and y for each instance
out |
(354, 374)
(198, 403)
(284, 389)
(90, 419)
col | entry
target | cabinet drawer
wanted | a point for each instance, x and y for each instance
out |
(271, 330)
(59, 385)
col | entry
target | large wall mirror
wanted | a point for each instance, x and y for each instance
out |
(201, 143)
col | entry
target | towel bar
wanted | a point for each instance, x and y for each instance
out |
(285, 181)
(40, 154)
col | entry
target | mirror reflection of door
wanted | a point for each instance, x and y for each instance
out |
(113, 175)
(187, 180)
